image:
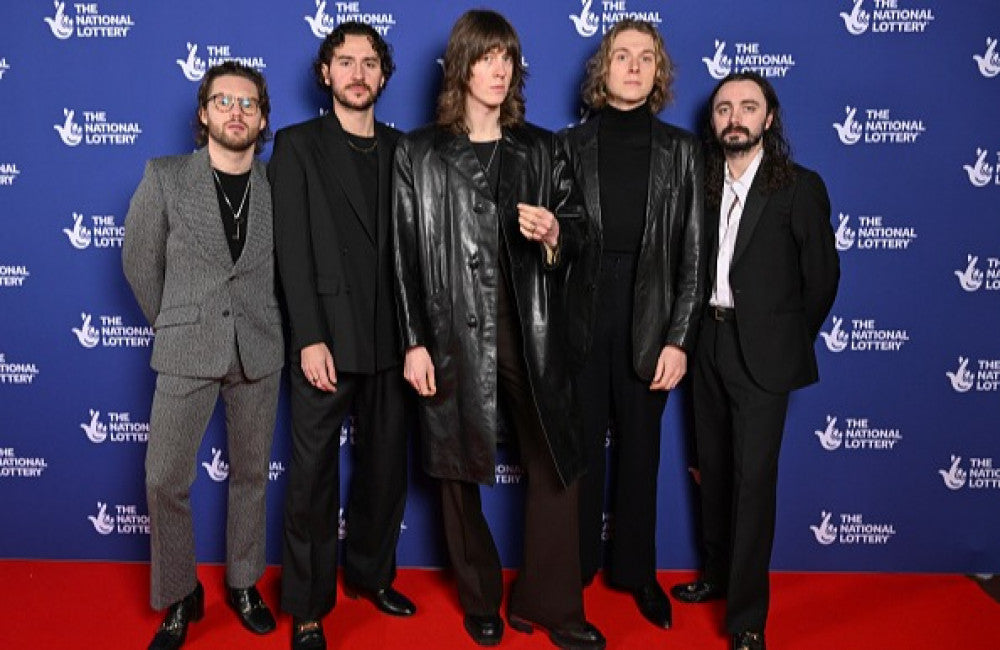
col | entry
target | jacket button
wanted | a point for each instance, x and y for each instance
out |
(478, 208)
(471, 320)
(226, 313)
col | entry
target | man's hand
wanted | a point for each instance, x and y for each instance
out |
(317, 366)
(418, 370)
(538, 224)
(670, 368)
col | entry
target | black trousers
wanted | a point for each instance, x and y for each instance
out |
(548, 589)
(738, 427)
(377, 494)
(612, 394)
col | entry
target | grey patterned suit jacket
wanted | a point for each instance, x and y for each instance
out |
(178, 264)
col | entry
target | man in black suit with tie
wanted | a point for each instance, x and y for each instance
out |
(331, 184)
(772, 281)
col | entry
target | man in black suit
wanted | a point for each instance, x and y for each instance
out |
(331, 180)
(772, 281)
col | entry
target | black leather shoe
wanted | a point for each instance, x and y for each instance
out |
(307, 635)
(387, 600)
(251, 609)
(485, 629)
(749, 641)
(654, 604)
(582, 636)
(173, 629)
(699, 591)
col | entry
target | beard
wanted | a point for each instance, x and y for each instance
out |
(232, 142)
(363, 104)
(738, 146)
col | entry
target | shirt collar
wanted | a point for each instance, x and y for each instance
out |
(741, 186)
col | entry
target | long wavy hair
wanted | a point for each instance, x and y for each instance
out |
(595, 87)
(476, 33)
(776, 168)
(235, 69)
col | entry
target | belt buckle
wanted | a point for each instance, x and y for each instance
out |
(719, 313)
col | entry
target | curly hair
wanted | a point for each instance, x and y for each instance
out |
(475, 34)
(776, 168)
(235, 69)
(337, 37)
(595, 87)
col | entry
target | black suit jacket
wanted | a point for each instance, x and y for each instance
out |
(784, 277)
(334, 261)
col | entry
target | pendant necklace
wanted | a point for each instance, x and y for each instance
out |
(236, 212)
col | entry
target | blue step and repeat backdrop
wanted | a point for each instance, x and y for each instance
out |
(891, 463)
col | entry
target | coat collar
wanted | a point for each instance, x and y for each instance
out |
(456, 150)
(752, 211)
(341, 170)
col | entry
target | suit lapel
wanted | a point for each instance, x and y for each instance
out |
(513, 161)
(752, 211)
(661, 157)
(456, 151)
(589, 167)
(341, 170)
(385, 156)
(259, 240)
(199, 207)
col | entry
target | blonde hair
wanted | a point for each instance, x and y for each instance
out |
(595, 87)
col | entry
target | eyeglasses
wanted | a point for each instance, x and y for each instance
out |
(225, 103)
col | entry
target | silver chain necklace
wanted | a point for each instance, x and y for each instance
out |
(486, 169)
(243, 202)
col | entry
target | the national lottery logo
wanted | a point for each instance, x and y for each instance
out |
(194, 67)
(972, 278)
(4, 66)
(216, 468)
(982, 173)
(8, 173)
(977, 474)
(341, 525)
(607, 526)
(13, 275)
(121, 519)
(322, 23)
(989, 62)
(872, 232)
(886, 17)
(88, 22)
(112, 332)
(858, 433)
(877, 126)
(747, 57)
(116, 426)
(508, 474)
(96, 130)
(275, 469)
(347, 431)
(13, 465)
(600, 16)
(16, 372)
(863, 335)
(103, 231)
(851, 529)
(979, 375)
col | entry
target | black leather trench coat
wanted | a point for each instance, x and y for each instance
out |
(447, 245)
(671, 268)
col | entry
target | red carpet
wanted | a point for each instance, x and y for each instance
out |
(62, 605)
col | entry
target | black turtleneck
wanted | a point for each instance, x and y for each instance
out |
(623, 140)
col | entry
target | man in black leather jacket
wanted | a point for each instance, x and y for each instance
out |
(486, 225)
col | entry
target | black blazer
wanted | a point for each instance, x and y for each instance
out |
(784, 277)
(335, 263)
(670, 271)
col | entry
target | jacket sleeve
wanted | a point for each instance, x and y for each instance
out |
(818, 260)
(689, 285)
(567, 205)
(293, 243)
(144, 249)
(406, 243)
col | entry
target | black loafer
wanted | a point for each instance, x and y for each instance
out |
(251, 609)
(387, 600)
(583, 636)
(485, 629)
(173, 630)
(307, 635)
(699, 591)
(749, 641)
(654, 604)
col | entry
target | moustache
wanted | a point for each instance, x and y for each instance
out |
(734, 128)
(360, 85)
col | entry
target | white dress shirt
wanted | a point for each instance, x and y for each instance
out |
(734, 197)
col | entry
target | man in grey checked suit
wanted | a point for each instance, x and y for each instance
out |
(198, 253)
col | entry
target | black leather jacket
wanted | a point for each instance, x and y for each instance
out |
(671, 269)
(445, 224)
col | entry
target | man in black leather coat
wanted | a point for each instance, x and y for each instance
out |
(486, 225)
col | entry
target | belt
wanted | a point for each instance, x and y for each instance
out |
(722, 314)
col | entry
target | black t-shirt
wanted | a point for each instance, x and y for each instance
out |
(236, 211)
